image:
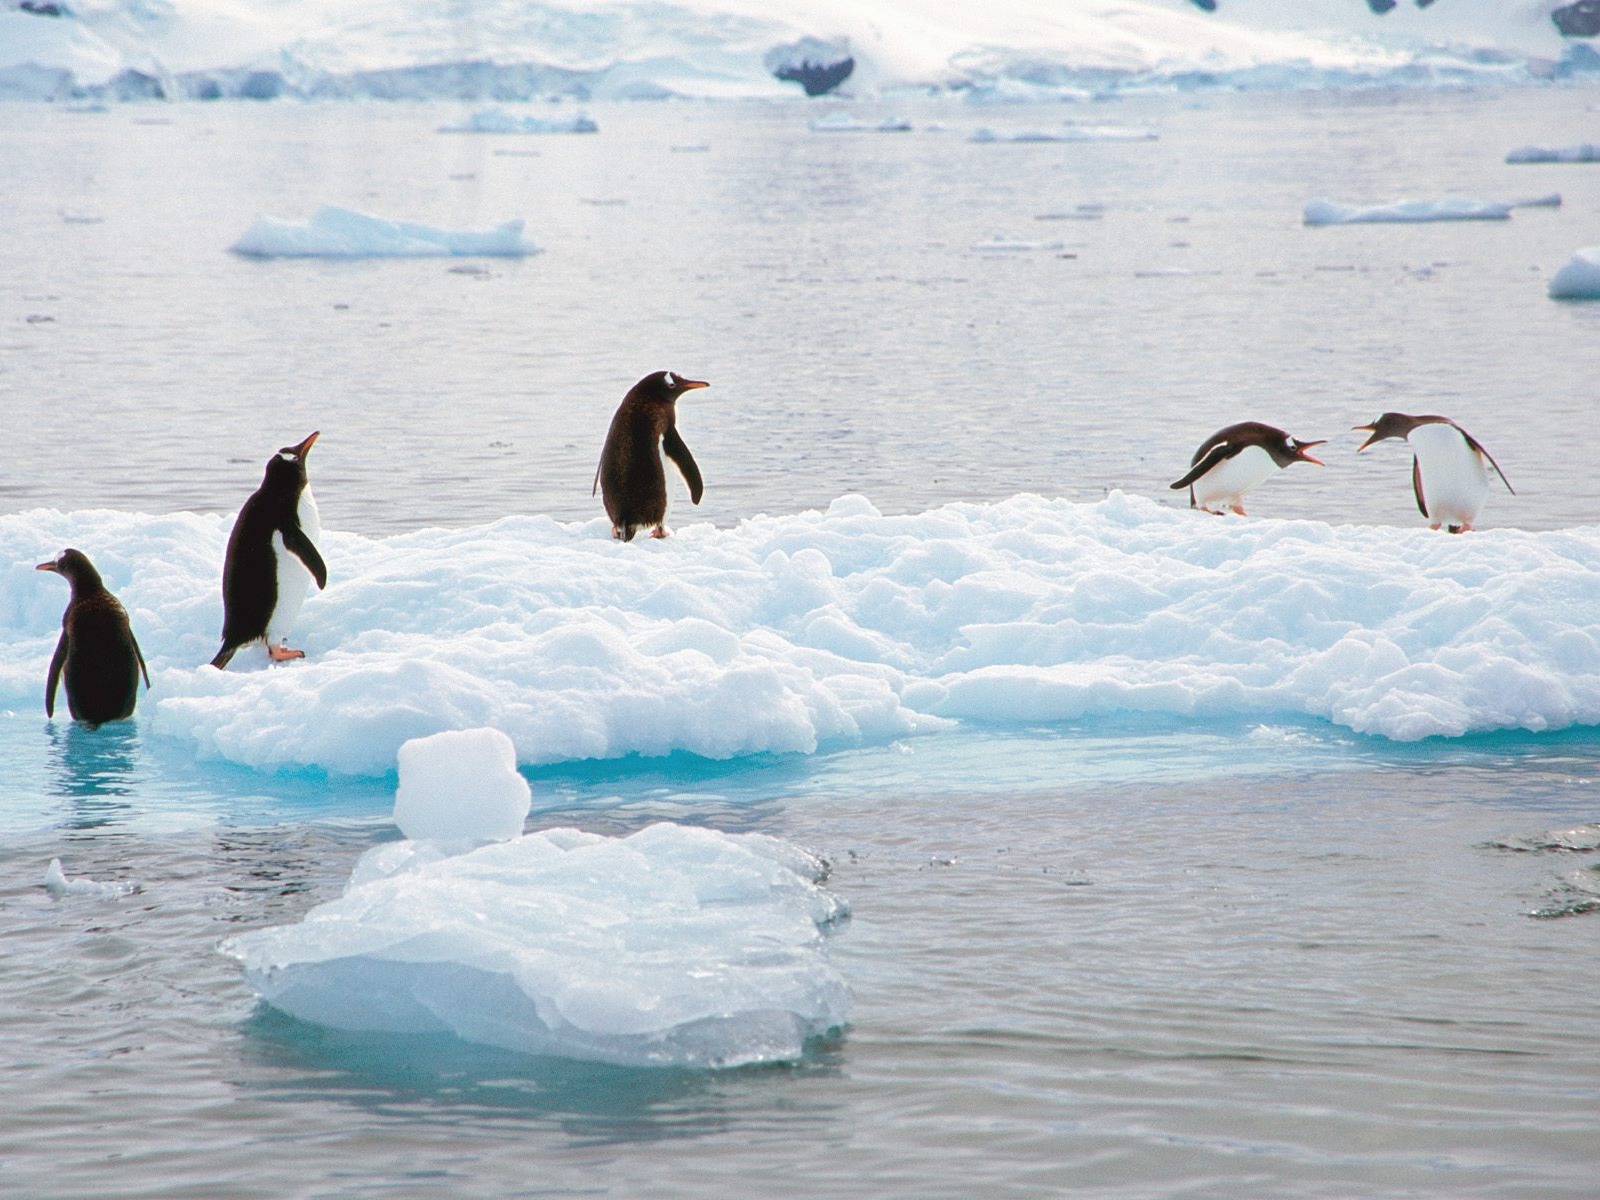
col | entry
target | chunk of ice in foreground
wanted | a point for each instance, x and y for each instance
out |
(1450, 208)
(334, 232)
(461, 785)
(58, 885)
(673, 946)
(1579, 279)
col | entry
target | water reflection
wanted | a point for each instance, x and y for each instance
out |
(440, 1079)
(93, 769)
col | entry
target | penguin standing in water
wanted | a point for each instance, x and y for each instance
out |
(272, 559)
(1233, 460)
(97, 654)
(630, 476)
(1449, 469)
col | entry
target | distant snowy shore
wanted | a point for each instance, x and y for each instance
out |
(506, 50)
(790, 634)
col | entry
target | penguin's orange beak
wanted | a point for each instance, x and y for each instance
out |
(48, 566)
(689, 385)
(300, 450)
(1302, 447)
(1366, 429)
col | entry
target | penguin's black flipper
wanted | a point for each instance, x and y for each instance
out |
(1473, 442)
(1416, 486)
(678, 452)
(139, 654)
(1219, 453)
(596, 488)
(298, 544)
(224, 657)
(54, 681)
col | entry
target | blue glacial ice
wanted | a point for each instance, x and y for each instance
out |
(1579, 277)
(334, 232)
(1448, 208)
(670, 947)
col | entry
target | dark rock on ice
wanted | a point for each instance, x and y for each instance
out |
(816, 65)
(1208, 5)
(1578, 20)
(42, 8)
(1381, 6)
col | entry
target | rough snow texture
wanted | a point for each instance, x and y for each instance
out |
(632, 49)
(461, 786)
(1450, 208)
(818, 629)
(334, 232)
(1579, 279)
(672, 947)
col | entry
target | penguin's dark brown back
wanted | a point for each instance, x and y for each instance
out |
(97, 657)
(630, 478)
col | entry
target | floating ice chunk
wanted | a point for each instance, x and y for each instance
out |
(461, 785)
(672, 947)
(1579, 279)
(1001, 245)
(497, 120)
(58, 885)
(843, 122)
(335, 232)
(1071, 133)
(1450, 208)
(1584, 152)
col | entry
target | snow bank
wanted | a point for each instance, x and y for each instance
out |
(672, 947)
(1450, 208)
(1585, 152)
(335, 232)
(497, 120)
(788, 634)
(1579, 279)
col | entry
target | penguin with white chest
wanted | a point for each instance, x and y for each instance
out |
(1233, 460)
(97, 656)
(272, 559)
(630, 477)
(1449, 469)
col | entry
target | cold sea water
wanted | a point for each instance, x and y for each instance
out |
(1163, 954)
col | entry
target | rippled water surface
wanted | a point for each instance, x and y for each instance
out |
(1130, 957)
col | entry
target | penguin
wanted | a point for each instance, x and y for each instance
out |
(630, 476)
(1448, 472)
(272, 558)
(1233, 460)
(97, 655)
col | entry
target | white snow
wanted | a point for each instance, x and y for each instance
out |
(334, 232)
(1579, 279)
(796, 633)
(610, 49)
(58, 885)
(1449, 208)
(461, 786)
(1584, 152)
(671, 947)
(498, 120)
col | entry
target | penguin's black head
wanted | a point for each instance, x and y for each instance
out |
(287, 468)
(664, 387)
(1297, 450)
(1390, 425)
(75, 566)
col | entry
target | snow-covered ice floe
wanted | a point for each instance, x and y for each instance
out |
(1450, 208)
(1069, 133)
(843, 122)
(334, 232)
(498, 120)
(815, 630)
(1585, 152)
(1579, 279)
(671, 947)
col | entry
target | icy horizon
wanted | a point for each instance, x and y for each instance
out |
(501, 50)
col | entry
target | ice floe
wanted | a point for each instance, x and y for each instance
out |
(1585, 152)
(59, 885)
(1069, 133)
(843, 122)
(1449, 208)
(334, 232)
(1579, 278)
(671, 947)
(498, 120)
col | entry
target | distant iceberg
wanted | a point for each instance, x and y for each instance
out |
(671, 947)
(1071, 133)
(1450, 208)
(1579, 279)
(497, 120)
(843, 122)
(1584, 152)
(335, 232)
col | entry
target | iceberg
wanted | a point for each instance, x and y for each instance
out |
(843, 122)
(334, 232)
(1579, 279)
(497, 120)
(1450, 208)
(1071, 133)
(671, 947)
(1584, 152)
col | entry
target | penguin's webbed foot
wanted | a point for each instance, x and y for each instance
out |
(616, 534)
(660, 531)
(283, 653)
(1239, 510)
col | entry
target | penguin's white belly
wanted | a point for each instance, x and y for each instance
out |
(1455, 481)
(294, 581)
(1228, 481)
